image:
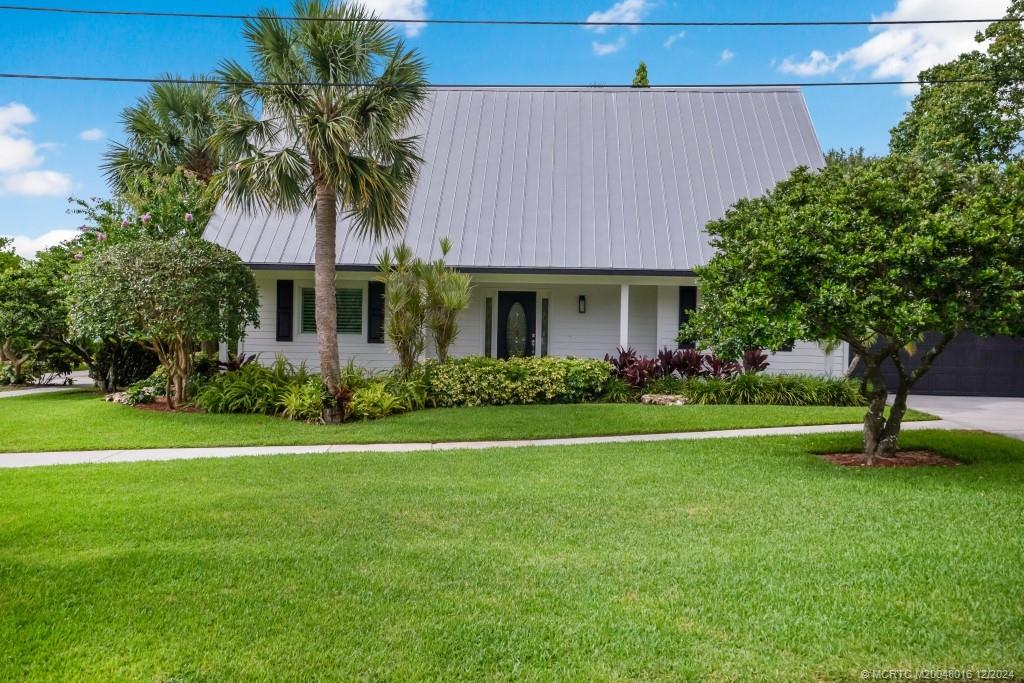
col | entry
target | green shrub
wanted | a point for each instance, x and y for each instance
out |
(252, 389)
(374, 401)
(477, 381)
(305, 401)
(778, 390)
(618, 390)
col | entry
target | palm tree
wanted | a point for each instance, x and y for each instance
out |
(171, 127)
(321, 125)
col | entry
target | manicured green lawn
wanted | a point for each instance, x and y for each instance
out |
(81, 421)
(738, 559)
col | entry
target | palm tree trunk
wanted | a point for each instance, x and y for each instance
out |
(324, 273)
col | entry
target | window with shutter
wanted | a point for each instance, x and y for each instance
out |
(375, 312)
(349, 304)
(687, 303)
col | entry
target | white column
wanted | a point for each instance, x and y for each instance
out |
(624, 316)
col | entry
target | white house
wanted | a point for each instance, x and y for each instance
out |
(579, 213)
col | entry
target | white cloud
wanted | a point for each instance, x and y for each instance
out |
(400, 9)
(674, 38)
(602, 49)
(17, 151)
(91, 134)
(626, 10)
(816, 64)
(36, 183)
(901, 52)
(727, 56)
(28, 246)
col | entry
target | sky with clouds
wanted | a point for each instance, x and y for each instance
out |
(52, 135)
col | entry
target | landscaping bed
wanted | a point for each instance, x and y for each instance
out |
(738, 559)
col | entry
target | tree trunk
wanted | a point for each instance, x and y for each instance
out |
(325, 269)
(875, 443)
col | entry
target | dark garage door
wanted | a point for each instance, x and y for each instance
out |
(971, 366)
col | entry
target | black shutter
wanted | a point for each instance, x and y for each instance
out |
(285, 313)
(375, 313)
(687, 302)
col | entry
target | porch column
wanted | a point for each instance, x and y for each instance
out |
(624, 316)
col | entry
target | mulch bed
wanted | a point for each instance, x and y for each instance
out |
(902, 459)
(160, 406)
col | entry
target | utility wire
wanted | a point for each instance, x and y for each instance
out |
(507, 22)
(486, 86)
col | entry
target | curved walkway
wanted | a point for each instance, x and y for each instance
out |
(10, 460)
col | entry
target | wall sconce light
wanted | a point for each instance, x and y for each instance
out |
(583, 304)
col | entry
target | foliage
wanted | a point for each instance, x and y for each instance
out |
(640, 372)
(477, 381)
(123, 363)
(254, 388)
(777, 390)
(33, 326)
(640, 79)
(170, 293)
(873, 252)
(375, 401)
(404, 304)
(171, 127)
(8, 259)
(446, 294)
(975, 113)
(151, 206)
(617, 390)
(304, 401)
(325, 147)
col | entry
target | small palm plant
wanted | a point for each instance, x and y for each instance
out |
(404, 305)
(322, 125)
(446, 294)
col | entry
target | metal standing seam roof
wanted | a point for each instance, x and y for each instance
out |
(567, 179)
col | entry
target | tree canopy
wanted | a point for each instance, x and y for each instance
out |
(873, 252)
(168, 293)
(170, 128)
(640, 79)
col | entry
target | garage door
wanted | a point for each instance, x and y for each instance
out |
(970, 366)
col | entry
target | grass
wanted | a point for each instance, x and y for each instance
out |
(81, 421)
(738, 559)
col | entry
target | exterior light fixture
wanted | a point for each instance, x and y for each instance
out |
(583, 304)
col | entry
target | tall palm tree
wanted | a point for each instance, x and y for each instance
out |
(172, 126)
(322, 124)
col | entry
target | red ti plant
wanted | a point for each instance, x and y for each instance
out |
(755, 360)
(720, 368)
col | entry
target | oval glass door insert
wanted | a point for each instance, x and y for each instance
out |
(516, 330)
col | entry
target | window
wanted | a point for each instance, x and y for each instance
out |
(543, 327)
(687, 303)
(488, 321)
(375, 312)
(349, 304)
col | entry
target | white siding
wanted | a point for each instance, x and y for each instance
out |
(653, 324)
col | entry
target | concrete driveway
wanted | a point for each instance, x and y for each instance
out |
(997, 415)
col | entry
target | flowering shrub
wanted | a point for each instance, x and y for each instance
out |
(479, 381)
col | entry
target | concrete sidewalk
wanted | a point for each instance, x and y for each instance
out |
(79, 380)
(12, 460)
(997, 415)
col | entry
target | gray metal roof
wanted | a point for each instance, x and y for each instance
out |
(568, 179)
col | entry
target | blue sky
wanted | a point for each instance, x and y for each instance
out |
(52, 135)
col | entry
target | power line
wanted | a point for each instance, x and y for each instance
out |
(485, 86)
(509, 22)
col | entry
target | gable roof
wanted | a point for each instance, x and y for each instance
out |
(568, 179)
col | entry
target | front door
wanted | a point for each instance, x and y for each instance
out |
(517, 323)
